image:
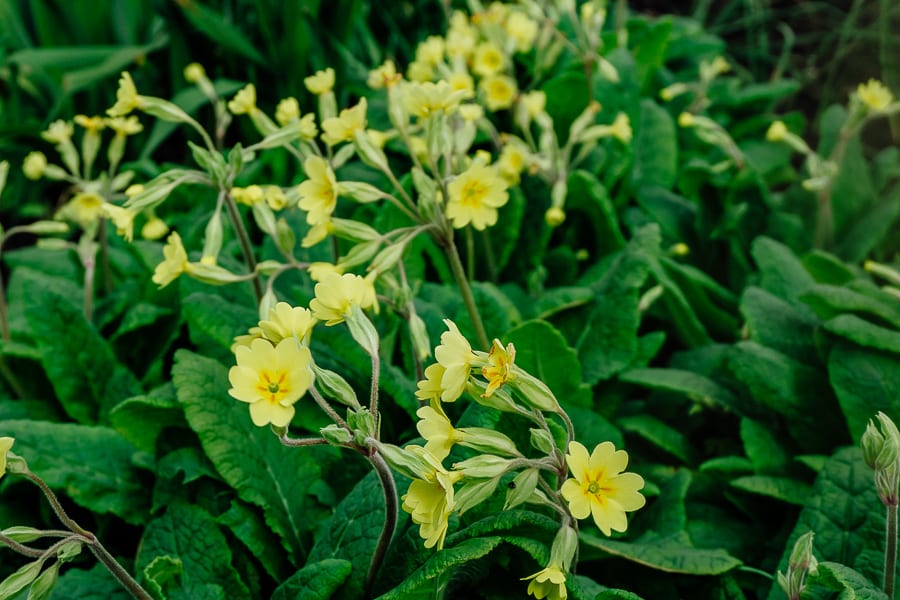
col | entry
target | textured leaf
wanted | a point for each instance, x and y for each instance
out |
(698, 388)
(507, 522)
(776, 323)
(865, 381)
(655, 147)
(215, 318)
(141, 419)
(316, 581)
(845, 513)
(96, 583)
(661, 435)
(672, 554)
(190, 534)
(781, 488)
(864, 333)
(586, 194)
(250, 459)
(558, 299)
(220, 30)
(92, 465)
(781, 272)
(830, 301)
(89, 381)
(852, 584)
(763, 448)
(251, 530)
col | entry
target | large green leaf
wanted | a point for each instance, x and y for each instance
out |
(830, 301)
(316, 581)
(189, 534)
(96, 583)
(864, 333)
(671, 554)
(92, 465)
(865, 381)
(781, 272)
(655, 147)
(698, 388)
(778, 324)
(250, 459)
(841, 578)
(141, 419)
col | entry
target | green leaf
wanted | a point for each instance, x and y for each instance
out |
(616, 595)
(442, 563)
(829, 301)
(655, 148)
(763, 448)
(781, 272)
(698, 388)
(117, 59)
(776, 323)
(864, 333)
(162, 575)
(650, 50)
(558, 299)
(221, 31)
(586, 193)
(543, 351)
(865, 381)
(846, 515)
(141, 419)
(89, 381)
(785, 489)
(661, 435)
(248, 527)
(210, 316)
(250, 459)
(93, 465)
(671, 554)
(96, 583)
(841, 578)
(191, 534)
(316, 581)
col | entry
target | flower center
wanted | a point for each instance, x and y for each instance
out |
(273, 386)
(472, 194)
(594, 488)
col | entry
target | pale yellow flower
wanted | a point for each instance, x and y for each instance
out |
(5, 444)
(426, 99)
(59, 132)
(461, 37)
(439, 433)
(154, 229)
(317, 233)
(499, 368)
(83, 208)
(471, 112)
(92, 124)
(318, 194)
(274, 197)
(318, 270)
(513, 159)
(244, 102)
(287, 110)
(122, 218)
(534, 103)
(419, 72)
(34, 165)
(488, 59)
(600, 488)
(621, 128)
(254, 333)
(321, 82)
(125, 125)
(175, 261)
(194, 72)
(431, 51)
(874, 95)
(548, 583)
(127, 98)
(461, 80)
(249, 195)
(336, 295)
(430, 387)
(341, 128)
(474, 197)
(271, 379)
(777, 131)
(499, 91)
(522, 30)
(430, 502)
(455, 355)
(286, 321)
(384, 76)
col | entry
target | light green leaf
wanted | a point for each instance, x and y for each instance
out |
(221, 31)
(316, 581)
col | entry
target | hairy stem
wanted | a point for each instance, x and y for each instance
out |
(389, 486)
(890, 549)
(235, 217)
(323, 404)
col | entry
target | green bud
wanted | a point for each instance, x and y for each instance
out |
(583, 120)
(370, 154)
(45, 227)
(22, 534)
(354, 230)
(359, 254)
(266, 304)
(418, 332)
(336, 435)
(542, 440)
(473, 492)
(499, 400)
(154, 193)
(69, 156)
(363, 423)
(485, 465)
(4, 172)
(534, 391)
(362, 330)
(388, 257)
(279, 136)
(397, 109)
(212, 240)
(268, 267)
(121, 181)
(55, 173)
(69, 550)
(90, 145)
(360, 191)
(15, 464)
(488, 440)
(212, 274)
(565, 544)
(802, 553)
(264, 218)
(165, 110)
(44, 583)
(336, 387)
(327, 106)
(521, 488)
(53, 244)
(116, 149)
(404, 461)
(464, 137)
(284, 236)
(343, 154)
(20, 579)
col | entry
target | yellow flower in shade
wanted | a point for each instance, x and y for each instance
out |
(499, 368)
(874, 95)
(91, 124)
(461, 80)
(124, 126)
(621, 128)
(430, 387)
(431, 51)
(513, 160)
(499, 91)
(83, 208)
(248, 196)
(59, 132)
(461, 37)
(320, 83)
(435, 427)
(318, 270)
(474, 197)
(336, 295)
(455, 355)
(341, 128)
(488, 59)
(426, 99)
(34, 165)
(430, 501)
(384, 76)
(154, 229)
(548, 583)
(5, 444)
(194, 72)
(254, 333)
(419, 72)
(522, 30)
(122, 218)
(777, 131)
(471, 112)
(287, 110)
(318, 194)
(271, 379)
(534, 103)
(600, 488)
(175, 261)
(127, 98)
(274, 197)
(286, 321)
(244, 102)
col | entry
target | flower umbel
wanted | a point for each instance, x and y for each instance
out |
(271, 379)
(600, 488)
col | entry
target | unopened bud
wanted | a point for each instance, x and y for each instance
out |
(483, 466)
(336, 435)
(521, 488)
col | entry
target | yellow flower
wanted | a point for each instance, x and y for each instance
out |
(874, 95)
(320, 83)
(686, 119)
(419, 72)
(384, 76)
(554, 216)
(244, 102)
(435, 427)
(318, 194)
(5, 444)
(274, 197)
(777, 131)
(316, 234)
(499, 91)
(175, 261)
(548, 583)
(336, 295)
(254, 333)
(59, 132)
(125, 125)
(319, 270)
(127, 98)
(426, 99)
(271, 379)
(431, 51)
(430, 501)
(287, 110)
(248, 196)
(513, 160)
(92, 124)
(488, 59)
(461, 37)
(474, 197)
(600, 488)
(471, 112)
(499, 368)
(122, 218)
(522, 30)
(154, 228)
(194, 72)
(34, 165)
(286, 321)
(461, 80)
(533, 103)
(430, 387)
(341, 128)
(84, 209)
(455, 355)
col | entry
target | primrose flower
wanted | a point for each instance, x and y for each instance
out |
(548, 583)
(533, 103)
(286, 321)
(341, 128)
(91, 124)
(439, 433)
(154, 229)
(455, 355)
(244, 102)
(127, 98)
(336, 295)
(34, 165)
(318, 194)
(499, 368)
(426, 99)
(248, 196)
(499, 91)
(488, 59)
(59, 132)
(271, 379)
(431, 51)
(430, 501)
(384, 76)
(874, 95)
(320, 83)
(175, 261)
(462, 81)
(5, 444)
(430, 387)
(600, 488)
(122, 218)
(522, 30)
(83, 208)
(287, 110)
(474, 197)
(124, 126)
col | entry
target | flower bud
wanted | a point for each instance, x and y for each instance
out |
(534, 391)
(542, 440)
(336, 387)
(419, 335)
(474, 492)
(522, 487)
(336, 435)
(487, 440)
(483, 466)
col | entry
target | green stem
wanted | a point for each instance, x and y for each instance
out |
(373, 394)
(466, 291)
(890, 549)
(90, 267)
(235, 217)
(323, 404)
(389, 486)
(20, 548)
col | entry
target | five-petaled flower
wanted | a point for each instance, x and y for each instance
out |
(548, 583)
(271, 379)
(455, 356)
(474, 197)
(336, 295)
(174, 264)
(600, 488)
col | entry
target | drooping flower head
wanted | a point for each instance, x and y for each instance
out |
(336, 295)
(321, 82)
(430, 388)
(271, 379)
(318, 194)
(499, 368)
(175, 261)
(548, 583)
(429, 501)
(438, 431)
(474, 197)
(244, 102)
(600, 487)
(122, 218)
(341, 128)
(455, 355)
(286, 321)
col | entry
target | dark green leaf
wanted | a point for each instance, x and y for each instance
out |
(316, 581)
(781, 488)
(141, 419)
(865, 381)
(671, 554)
(655, 147)
(96, 583)
(864, 333)
(661, 435)
(698, 388)
(841, 578)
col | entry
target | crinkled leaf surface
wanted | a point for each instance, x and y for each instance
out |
(865, 381)
(316, 581)
(95, 583)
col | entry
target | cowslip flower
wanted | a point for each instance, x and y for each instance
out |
(122, 218)
(349, 121)
(455, 355)
(522, 30)
(384, 76)
(175, 261)
(430, 388)
(499, 368)
(286, 321)
(499, 91)
(271, 379)
(318, 194)
(83, 208)
(429, 501)
(58, 132)
(488, 59)
(426, 99)
(874, 95)
(600, 488)
(321, 82)
(124, 126)
(430, 51)
(154, 228)
(287, 110)
(474, 197)
(548, 583)
(336, 295)
(127, 98)
(34, 165)
(439, 433)
(244, 102)
(5, 444)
